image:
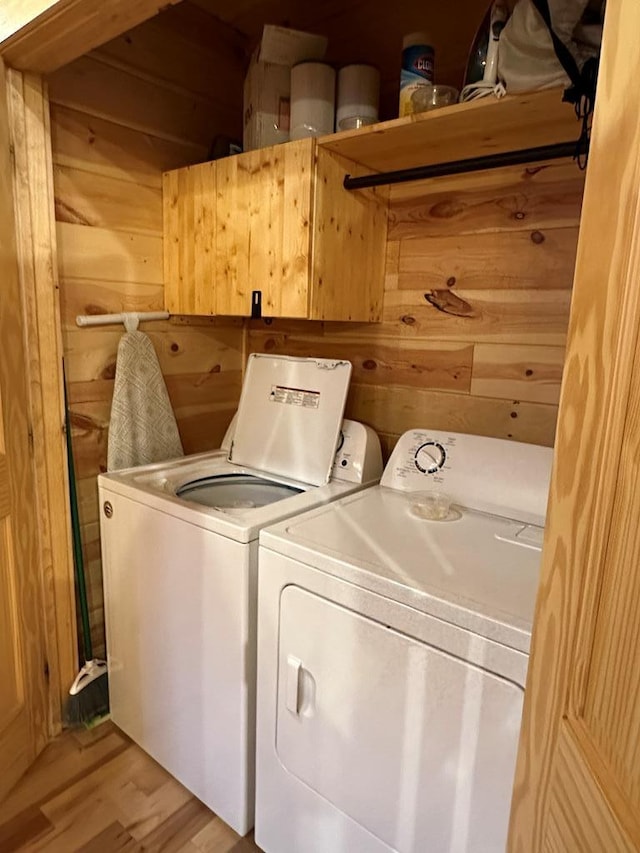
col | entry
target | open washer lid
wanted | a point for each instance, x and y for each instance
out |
(289, 416)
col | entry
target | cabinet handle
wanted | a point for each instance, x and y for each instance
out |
(256, 304)
(294, 668)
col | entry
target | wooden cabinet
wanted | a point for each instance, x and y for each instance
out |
(278, 222)
(264, 236)
(274, 226)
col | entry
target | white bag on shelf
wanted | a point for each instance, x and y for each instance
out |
(527, 58)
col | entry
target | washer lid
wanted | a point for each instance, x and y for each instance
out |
(289, 416)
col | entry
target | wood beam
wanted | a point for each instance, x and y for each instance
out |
(24, 652)
(43, 35)
(16, 14)
(36, 243)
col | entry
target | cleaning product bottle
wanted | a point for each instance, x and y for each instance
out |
(417, 68)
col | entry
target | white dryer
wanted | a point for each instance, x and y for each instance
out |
(180, 552)
(393, 638)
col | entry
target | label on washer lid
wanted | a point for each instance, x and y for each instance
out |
(289, 416)
(295, 396)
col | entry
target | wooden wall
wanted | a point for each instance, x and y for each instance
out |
(151, 100)
(478, 281)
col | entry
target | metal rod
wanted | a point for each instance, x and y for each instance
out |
(459, 167)
(108, 319)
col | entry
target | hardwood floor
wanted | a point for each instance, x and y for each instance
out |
(97, 792)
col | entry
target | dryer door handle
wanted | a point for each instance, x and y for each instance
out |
(294, 669)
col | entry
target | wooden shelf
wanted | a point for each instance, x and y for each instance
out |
(486, 126)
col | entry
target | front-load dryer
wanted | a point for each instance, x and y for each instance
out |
(393, 639)
(180, 553)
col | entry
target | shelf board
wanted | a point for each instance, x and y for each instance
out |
(485, 126)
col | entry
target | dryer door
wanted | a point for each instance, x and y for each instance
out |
(412, 743)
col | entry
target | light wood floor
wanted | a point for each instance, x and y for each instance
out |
(97, 792)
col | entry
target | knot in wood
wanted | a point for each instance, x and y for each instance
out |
(109, 371)
(447, 209)
(449, 303)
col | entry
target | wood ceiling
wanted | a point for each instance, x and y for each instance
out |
(366, 31)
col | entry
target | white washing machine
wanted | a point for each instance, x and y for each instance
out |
(180, 552)
(393, 638)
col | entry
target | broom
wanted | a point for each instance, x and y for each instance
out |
(88, 698)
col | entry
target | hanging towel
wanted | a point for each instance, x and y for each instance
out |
(143, 427)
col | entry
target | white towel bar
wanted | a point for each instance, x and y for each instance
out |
(108, 319)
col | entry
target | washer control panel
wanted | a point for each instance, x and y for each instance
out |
(358, 456)
(490, 474)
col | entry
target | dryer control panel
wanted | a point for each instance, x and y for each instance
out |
(493, 475)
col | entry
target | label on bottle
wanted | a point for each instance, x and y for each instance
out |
(417, 70)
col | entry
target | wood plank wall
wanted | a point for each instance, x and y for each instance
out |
(479, 271)
(151, 100)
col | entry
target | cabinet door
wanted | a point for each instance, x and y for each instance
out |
(189, 234)
(263, 207)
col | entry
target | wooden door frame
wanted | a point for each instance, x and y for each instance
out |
(603, 339)
(43, 35)
(30, 138)
(37, 37)
(25, 729)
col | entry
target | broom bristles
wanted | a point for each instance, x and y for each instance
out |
(89, 695)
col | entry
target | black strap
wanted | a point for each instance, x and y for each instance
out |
(563, 53)
(582, 91)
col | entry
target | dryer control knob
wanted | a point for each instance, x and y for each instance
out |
(430, 457)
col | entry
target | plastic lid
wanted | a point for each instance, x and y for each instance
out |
(289, 416)
(415, 39)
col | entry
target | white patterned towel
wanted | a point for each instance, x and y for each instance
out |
(143, 427)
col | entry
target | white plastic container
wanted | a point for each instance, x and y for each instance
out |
(358, 95)
(313, 86)
(267, 84)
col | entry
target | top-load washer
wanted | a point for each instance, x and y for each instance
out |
(393, 638)
(180, 553)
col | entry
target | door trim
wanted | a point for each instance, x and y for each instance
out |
(28, 732)
(36, 246)
(44, 35)
(602, 343)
